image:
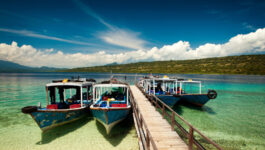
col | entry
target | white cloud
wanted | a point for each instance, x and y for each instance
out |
(41, 36)
(91, 13)
(253, 42)
(114, 35)
(248, 26)
(123, 38)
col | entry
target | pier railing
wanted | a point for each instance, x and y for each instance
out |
(159, 105)
(144, 134)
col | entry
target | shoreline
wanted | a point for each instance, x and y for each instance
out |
(83, 72)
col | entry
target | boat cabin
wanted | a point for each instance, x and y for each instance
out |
(170, 86)
(69, 94)
(190, 86)
(110, 95)
(159, 86)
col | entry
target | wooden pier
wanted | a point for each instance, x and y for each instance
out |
(157, 129)
(155, 132)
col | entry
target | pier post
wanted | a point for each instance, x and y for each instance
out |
(153, 132)
(156, 103)
(141, 121)
(163, 111)
(172, 121)
(190, 138)
(147, 140)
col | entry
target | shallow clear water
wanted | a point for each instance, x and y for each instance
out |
(19, 131)
(235, 120)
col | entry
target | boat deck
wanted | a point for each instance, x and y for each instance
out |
(159, 128)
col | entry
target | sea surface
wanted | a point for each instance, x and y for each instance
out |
(235, 120)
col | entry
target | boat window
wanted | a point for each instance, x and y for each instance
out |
(191, 87)
(87, 92)
(70, 93)
(116, 93)
(61, 94)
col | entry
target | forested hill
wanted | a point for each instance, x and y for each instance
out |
(245, 64)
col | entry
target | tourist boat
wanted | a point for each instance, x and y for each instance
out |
(171, 91)
(111, 103)
(67, 101)
(187, 95)
(164, 88)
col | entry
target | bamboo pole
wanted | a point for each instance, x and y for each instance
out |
(47, 95)
(81, 96)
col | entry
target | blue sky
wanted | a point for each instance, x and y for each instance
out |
(123, 26)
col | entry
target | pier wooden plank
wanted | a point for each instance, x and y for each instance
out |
(159, 128)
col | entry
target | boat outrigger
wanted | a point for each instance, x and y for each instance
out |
(171, 91)
(111, 103)
(75, 97)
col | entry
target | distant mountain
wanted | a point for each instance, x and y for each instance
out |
(7, 66)
(112, 64)
(245, 64)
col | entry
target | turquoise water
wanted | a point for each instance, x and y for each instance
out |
(19, 131)
(235, 120)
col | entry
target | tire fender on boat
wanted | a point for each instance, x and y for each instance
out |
(212, 94)
(29, 109)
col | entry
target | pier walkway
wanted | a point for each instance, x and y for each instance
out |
(155, 131)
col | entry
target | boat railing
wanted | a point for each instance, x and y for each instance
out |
(171, 117)
(144, 134)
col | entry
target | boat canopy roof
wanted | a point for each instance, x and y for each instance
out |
(80, 84)
(190, 81)
(110, 85)
(172, 80)
(161, 79)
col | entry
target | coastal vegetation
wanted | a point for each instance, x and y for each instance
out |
(244, 64)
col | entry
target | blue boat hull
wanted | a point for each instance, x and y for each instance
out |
(110, 117)
(47, 119)
(195, 99)
(170, 100)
